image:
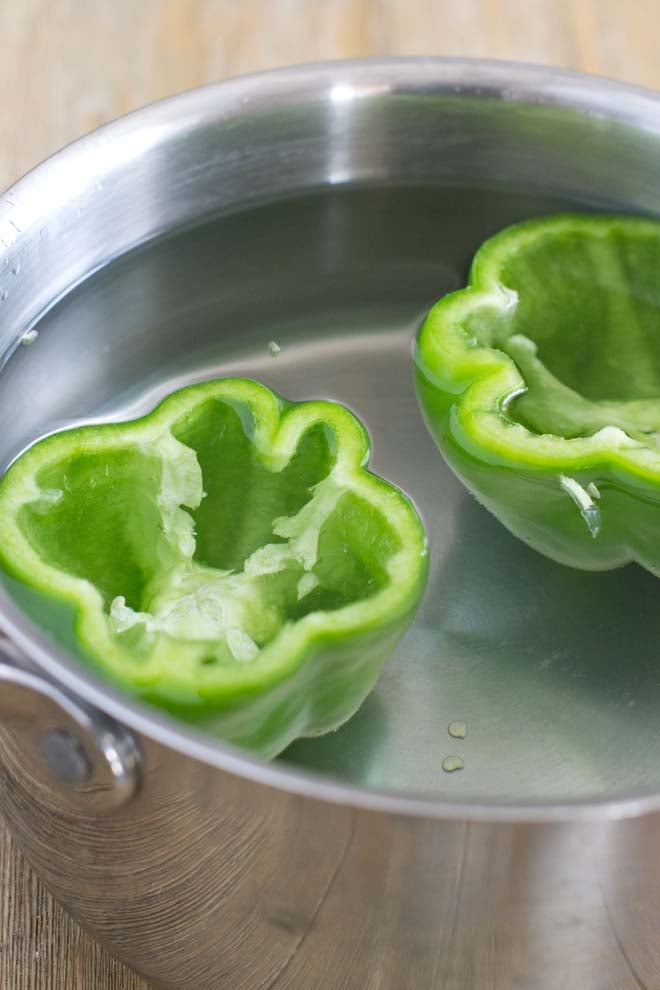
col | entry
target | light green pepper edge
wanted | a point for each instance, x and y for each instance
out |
(241, 702)
(465, 389)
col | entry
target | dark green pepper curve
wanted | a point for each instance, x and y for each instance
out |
(227, 557)
(540, 383)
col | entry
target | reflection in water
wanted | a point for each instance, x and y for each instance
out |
(361, 739)
(554, 671)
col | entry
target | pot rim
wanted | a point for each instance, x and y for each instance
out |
(507, 81)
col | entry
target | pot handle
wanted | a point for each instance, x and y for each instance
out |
(83, 758)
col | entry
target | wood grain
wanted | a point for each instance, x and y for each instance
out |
(69, 65)
(40, 947)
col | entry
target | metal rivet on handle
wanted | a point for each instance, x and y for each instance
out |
(66, 758)
(87, 761)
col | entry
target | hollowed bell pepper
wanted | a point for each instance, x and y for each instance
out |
(540, 383)
(227, 557)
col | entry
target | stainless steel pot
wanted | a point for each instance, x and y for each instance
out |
(336, 202)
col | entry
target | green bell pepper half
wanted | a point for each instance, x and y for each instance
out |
(540, 383)
(227, 557)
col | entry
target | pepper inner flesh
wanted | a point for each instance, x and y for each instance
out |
(195, 538)
(583, 326)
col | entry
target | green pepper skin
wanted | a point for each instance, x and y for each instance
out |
(132, 543)
(540, 383)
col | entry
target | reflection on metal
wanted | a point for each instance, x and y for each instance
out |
(73, 753)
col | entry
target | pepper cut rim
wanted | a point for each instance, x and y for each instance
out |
(274, 434)
(490, 378)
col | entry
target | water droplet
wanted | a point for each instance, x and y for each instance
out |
(457, 730)
(451, 764)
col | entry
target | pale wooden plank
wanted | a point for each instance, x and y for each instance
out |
(40, 947)
(68, 66)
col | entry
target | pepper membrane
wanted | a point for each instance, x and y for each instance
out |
(540, 383)
(227, 557)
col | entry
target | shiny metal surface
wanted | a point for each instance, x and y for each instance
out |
(338, 202)
(207, 880)
(72, 752)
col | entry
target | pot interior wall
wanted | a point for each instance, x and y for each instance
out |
(326, 209)
(554, 672)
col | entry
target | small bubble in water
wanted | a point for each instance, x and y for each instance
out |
(451, 764)
(29, 337)
(458, 730)
(274, 348)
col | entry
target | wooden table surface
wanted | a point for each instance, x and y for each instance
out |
(69, 65)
